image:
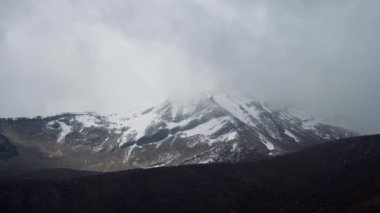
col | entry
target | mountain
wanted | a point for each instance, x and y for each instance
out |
(341, 176)
(217, 127)
(7, 149)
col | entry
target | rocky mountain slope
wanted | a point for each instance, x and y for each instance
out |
(217, 127)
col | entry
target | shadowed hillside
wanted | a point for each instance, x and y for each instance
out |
(342, 176)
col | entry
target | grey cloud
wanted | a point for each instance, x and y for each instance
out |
(108, 56)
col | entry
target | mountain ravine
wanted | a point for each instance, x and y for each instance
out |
(218, 127)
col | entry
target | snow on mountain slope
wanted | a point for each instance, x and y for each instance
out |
(213, 128)
(239, 107)
(204, 117)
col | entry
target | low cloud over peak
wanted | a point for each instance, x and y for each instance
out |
(108, 56)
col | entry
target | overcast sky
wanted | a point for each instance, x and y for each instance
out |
(112, 55)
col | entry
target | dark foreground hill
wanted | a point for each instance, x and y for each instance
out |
(342, 176)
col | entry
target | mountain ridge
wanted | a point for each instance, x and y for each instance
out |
(215, 128)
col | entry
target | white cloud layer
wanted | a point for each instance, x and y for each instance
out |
(112, 55)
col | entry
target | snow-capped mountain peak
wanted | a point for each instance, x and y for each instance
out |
(217, 126)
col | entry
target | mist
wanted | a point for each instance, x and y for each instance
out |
(108, 56)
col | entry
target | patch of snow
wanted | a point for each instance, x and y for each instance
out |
(50, 124)
(235, 147)
(288, 133)
(88, 121)
(265, 107)
(186, 121)
(254, 112)
(309, 124)
(267, 143)
(285, 116)
(206, 128)
(128, 153)
(157, 165)
(232, 105)
(227, 137)
(237, 106)
(65, 130)
(230, 136)
(308, 121)
(327, 137)
(98, 148)
(206, 161)
(139, 123)
(124, 138)
(182, 123)
(136, 123)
